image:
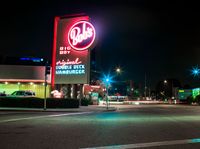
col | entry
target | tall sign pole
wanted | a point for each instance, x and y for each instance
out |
(74, 37)
(72, 56)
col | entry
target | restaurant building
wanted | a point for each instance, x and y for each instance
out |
(23, 73)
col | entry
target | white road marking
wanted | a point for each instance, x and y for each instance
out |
(45, 116)
(151, 144)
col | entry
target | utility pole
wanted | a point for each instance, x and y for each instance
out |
(172, 88)
(149, 93)
(145, 86)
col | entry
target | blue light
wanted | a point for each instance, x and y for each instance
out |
(24, 58)
(107, 79)
(195, 71)
(34, 59)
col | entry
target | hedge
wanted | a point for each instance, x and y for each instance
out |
(33, 102)
(86, 102)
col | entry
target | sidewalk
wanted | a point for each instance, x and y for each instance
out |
(90, 108)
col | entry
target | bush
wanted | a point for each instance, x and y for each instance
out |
(197, 99)
(33, 102)
(86, 102)
(189, 99)
(27, 102)
(62, 103)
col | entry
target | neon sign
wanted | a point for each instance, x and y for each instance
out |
(73, 38)
(63, 62)
(64, 50)
(70, 67)
(81, 35)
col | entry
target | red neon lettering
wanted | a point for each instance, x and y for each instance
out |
(78, 37)
(80, 32)
(68, 62)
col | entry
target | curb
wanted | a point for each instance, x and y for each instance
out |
(80, 109)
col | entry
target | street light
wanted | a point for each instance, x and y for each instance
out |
(165, 81)
(107, 81)
(172, 87)
(118, 70)
(195, 71)
(165, 90)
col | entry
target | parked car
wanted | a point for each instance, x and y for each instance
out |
(23, 93)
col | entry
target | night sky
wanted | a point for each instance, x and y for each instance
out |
(156, 38)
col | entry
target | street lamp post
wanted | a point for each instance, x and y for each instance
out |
(165, 91)
(172, 89)
(107, 85)
(106, 81)
(107, 97)
(145, 86)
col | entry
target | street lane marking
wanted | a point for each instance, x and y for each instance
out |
(45, 116)
(151, 144)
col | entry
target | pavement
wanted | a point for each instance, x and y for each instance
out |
(155, 126)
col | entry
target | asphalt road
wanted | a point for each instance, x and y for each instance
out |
(138, 126)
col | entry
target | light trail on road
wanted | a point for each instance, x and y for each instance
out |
(46, 116)
(150, 144)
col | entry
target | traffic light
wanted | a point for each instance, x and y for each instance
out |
(47, 70)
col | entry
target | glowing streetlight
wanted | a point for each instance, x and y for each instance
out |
(195, 71)
(165, 81)
(107, 80)
(118, 70)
